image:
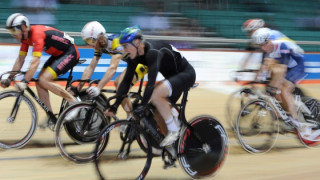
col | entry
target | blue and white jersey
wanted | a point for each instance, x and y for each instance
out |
(275, 34)
(287, 52)
(113, 46)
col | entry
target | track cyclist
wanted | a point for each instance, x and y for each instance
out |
(61, 47)
(285, 61)
(250, 26)
(94, 34)
(159, 57)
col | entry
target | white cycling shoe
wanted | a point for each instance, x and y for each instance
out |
(307, 133)
(171, 137)
(72, 115)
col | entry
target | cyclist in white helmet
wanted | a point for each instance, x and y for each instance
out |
(250, 26)
(285, 61)
(64, 55)
(94, 34)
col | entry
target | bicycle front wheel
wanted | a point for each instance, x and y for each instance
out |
(202, 147)
(257, 127)
(123, 153)
(18, 119)
(235, 102)
(76, 138)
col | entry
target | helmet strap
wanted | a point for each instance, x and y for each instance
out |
(23, 36)
(135, 47)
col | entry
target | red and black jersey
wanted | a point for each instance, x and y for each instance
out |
(47, 39)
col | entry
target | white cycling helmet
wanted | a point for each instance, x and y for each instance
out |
(261, 35)
(252, 25)
(15, 21)
(90, 32)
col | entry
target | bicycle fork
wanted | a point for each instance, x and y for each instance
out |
(169, 153)
(15, 109)
(127, 140)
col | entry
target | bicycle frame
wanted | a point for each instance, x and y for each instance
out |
(181, 107)
(280, 111)
(37, 99)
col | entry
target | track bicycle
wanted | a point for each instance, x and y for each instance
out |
(76, 138)
(241, 96)
(201, 148)
(260, 120)
(19, 117)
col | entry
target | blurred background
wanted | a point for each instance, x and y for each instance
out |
(207, 24)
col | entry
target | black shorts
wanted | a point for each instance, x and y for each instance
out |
(59, 65)
(181, 82)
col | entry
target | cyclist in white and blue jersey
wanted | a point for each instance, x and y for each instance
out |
(285, 61)
(250, 26)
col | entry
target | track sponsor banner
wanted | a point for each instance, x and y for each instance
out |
(210, 66)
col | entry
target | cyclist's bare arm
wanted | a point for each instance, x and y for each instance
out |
(35, 61)
(115, 59)
(266, 68)
(88, 71)
(18, 64)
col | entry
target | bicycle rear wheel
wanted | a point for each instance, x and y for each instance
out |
(76, 139)
(257, 127)
(18, 119)
(123, 153)
(202, 147)
(314, 106)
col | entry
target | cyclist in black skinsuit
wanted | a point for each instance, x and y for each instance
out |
(159, 57)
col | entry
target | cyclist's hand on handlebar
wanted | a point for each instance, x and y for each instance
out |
(111, 111)
(93, 91)
(73, 91)
(5, 83)
(21, 86)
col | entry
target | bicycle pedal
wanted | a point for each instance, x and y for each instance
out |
(43, 126)
(168, 165)
(172, 153)
(123, 155)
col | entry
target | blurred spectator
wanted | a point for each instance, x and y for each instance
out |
(257, 5)
(159, 22)
(308, 23)
(37, 11)
(153, 23)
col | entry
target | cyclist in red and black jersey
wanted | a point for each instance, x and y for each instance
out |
(61, 47)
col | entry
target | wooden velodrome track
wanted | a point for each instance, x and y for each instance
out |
(40, 159)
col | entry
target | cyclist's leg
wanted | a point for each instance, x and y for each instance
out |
(57, 66)
(43, 92)
(288, 99)
(293, 75)
(277, 79)
(47, 80)
(171, 89)
(160, 100)
(160, 122)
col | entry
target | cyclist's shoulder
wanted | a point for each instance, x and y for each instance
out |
(158, 44)
(275, 34)
(41, 28)
(113, 41)
(284, 45)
